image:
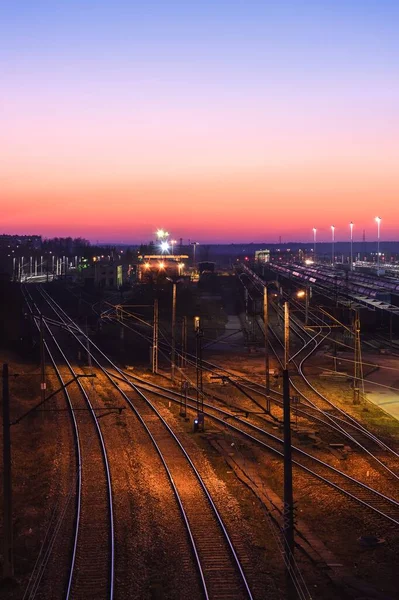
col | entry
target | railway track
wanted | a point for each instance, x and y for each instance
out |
(341, 425)
(377, 502)
(91, 571)
(338, 425)
(367, 496)
(219, 566)
(348, 427)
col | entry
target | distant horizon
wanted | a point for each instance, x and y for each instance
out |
(187, 240)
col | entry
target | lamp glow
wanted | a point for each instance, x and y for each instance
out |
(164, 246)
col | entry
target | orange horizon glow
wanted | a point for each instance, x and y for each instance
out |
(117, 122)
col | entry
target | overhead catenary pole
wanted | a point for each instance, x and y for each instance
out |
(88, 343)
(198, 363)
(358, 366)
(42, 362)
(173, 354)
(314, 243)
(378, 220)
(267, 356)
(286, 334)
(8, 562)
(307, 294)
(288, 493)
(184, 341)
(351, 230)
(155, 338)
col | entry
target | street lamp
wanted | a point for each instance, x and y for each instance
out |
(161, 234)
(304, 294)
(378, 221)
(314, 244)
(164, 246)
(332, 244)
(351, 230)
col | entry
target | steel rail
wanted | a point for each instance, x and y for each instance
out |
(348, 420)
(180, 445)
(346, 477)
(107, 472)
(26, 294)
(169, 395)
(334, 422)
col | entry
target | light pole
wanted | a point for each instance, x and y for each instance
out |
(199, 421)
(195, 244)
(173, 329)
(351, 230)
(332, 244)
(378, 220)
(314, 244)
(172, 243)
(155, 338)
(288, 492)
(267, 359)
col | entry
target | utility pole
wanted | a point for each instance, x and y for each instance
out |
(88, 343)
(199, 422)
(42, 362)
(358, 367)
(8, 562)
(307, 293)
(173, 329)
(288, 493)
(267, 357)
(184, 341)
(155, 338)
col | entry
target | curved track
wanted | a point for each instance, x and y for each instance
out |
(342, 422)
(219, 565)
(363, 494)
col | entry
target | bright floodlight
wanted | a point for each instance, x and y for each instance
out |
(161, 265)
(378, 219)
(161, 234)
(301, 294)
(164, 246)
(309, 261)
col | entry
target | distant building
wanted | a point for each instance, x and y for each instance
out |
(32, 242)
(151, 266)
(262, 256)
(106, 274)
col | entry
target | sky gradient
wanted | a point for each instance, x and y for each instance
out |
(219, 121)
